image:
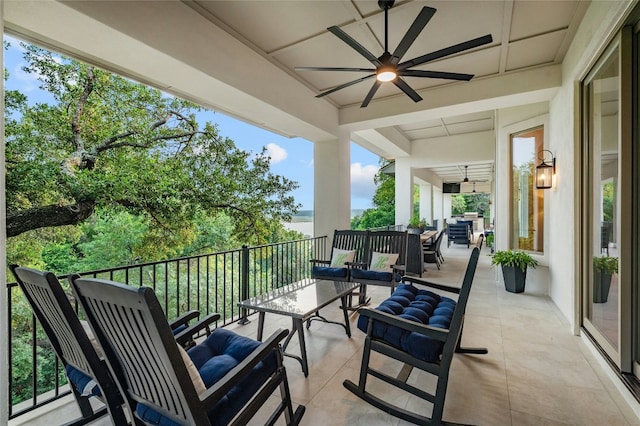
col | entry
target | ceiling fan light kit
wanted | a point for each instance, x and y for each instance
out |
(388, 67)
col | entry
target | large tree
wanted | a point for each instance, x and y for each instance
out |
(384, 211)
(108, 142)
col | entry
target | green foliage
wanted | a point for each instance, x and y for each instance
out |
(606, 263)
(107, 142)
(489, 240)
(458, 204)
(472, 202)
(384, 211)
(513, 258)
(608, 200)
(416, 222)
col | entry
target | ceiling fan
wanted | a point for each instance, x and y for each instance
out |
(388, 67)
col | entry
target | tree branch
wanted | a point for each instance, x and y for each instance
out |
(47, 216)
(76, 125)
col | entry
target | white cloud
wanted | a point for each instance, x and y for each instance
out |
(276, 152)
(362, 185)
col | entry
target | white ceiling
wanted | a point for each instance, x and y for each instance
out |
(207, 55)
(525, 34)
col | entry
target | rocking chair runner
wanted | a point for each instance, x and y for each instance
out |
(422, 329)
(235, 375)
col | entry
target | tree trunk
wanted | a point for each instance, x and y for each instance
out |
(46, 216)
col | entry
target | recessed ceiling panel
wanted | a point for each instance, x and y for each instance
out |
(272, 25)
(421, 125)
(426, 133)
(539, 17)
(534, 51)
(470, 126)
(483, 115)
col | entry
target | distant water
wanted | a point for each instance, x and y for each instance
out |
(303, 221)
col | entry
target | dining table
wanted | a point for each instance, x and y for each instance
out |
(427, 237)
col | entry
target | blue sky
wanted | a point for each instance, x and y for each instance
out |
(290, 157)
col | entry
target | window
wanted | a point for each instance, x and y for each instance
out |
(527, 202)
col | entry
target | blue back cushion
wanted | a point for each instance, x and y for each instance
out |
(215, 357)
(413, 304)
(85, 385)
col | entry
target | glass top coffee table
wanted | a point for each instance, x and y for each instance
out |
(302, 301)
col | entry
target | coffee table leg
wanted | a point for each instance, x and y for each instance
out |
(297, 323)
(345, 310)
(302, 359)
(260, 325)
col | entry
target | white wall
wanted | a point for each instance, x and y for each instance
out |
(599, 23)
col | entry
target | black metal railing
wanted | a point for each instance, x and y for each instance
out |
(209, 283)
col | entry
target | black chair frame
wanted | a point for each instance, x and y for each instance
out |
(346, 239)
(451, 338)
(112, 308)
(383, 242)
(52, 308)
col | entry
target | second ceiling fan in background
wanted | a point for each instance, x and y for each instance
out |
(388, 67)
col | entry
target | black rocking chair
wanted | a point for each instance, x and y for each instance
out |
(427, 343)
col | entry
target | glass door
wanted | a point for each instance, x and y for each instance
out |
(602, 207)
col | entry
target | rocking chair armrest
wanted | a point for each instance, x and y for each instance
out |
(419, 281)
(361, 265)
(204, 324)
(427, 330)
(399, 268)
(240, 371)
(184, 319)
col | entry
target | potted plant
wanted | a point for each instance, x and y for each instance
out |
(603, 268)
(489, 240)
(417, 223)
(514, 265)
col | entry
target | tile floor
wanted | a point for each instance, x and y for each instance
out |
(536, 372)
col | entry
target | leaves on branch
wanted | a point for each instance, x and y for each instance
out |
(107, 141)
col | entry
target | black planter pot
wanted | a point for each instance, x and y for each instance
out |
(601, 285)
(514, 279)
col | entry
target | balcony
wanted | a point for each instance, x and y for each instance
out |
(536, 371)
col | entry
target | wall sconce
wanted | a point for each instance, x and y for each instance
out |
(545, 171)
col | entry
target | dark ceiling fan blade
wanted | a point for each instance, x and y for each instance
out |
(436, 74)
(354, 45)
(342, 86)
(334, 69)
(407, 89)
(470, 44)
(413, 32)
(372, 92)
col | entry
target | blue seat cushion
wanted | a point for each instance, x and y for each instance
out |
(85, 385)
(417, 305)
(325, 271)
(364, 274)
(215, 357)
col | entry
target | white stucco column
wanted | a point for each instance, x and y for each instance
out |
(426, 202)
(446, 207)
(4, 343)
(332, 185)
(438, 212)
(404, 191)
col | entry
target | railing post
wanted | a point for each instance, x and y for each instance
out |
(244, 283)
